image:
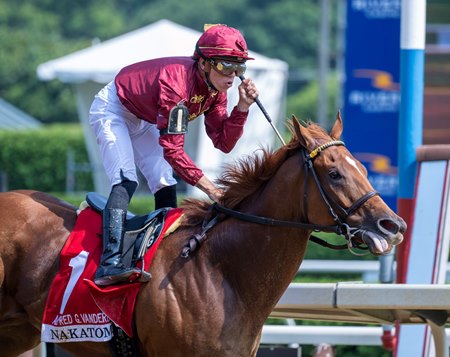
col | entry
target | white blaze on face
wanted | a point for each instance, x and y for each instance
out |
(353, 163)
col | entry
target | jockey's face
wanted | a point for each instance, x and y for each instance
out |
(221, 81)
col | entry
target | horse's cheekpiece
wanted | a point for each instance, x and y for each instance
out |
(141, 233)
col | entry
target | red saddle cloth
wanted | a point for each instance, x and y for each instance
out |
(77, 309)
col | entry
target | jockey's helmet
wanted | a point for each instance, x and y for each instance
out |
(221, 41)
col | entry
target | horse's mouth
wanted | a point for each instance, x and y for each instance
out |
(381, 244)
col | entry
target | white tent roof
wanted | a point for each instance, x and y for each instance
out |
(12, 117)
(101, 62)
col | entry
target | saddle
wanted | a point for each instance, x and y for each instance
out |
(141, 232)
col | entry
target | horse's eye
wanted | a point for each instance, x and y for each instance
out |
(334, 175)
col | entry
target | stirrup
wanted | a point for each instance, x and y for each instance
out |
(144, 276)
(129, 276)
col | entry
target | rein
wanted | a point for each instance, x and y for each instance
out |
(341, 227)
(275, 222)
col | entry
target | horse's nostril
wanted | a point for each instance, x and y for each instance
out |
(388, 226)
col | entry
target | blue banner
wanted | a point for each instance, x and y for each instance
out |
(372, 93)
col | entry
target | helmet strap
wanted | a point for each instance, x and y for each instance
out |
(206, 73)
(209, 83)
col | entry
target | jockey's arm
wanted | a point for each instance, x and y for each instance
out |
(209, 188)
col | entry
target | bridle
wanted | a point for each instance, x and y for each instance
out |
(341, 227)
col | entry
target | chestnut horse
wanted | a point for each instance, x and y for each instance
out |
(216, 301)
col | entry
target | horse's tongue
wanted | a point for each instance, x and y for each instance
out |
(381, 245)
(376, 244)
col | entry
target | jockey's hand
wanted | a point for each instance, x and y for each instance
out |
(210, 189)
(247, 94)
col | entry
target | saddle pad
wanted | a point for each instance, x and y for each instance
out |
(77, 309)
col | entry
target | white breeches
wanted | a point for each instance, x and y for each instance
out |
(126, 141)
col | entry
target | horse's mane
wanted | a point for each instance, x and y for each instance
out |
(247, 175)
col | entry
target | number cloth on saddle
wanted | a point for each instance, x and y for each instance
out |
(76, 308)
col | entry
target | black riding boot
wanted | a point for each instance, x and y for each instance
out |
(111, 269)
(166, 197)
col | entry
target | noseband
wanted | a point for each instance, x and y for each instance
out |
(341, 227)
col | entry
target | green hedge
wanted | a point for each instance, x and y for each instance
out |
(140, 204)
(37, 159)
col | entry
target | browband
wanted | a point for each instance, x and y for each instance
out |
(318, 150)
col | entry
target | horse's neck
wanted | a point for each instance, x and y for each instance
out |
(262, 260)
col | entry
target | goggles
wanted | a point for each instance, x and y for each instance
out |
(228, 68)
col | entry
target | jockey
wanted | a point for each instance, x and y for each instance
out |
(140, 119)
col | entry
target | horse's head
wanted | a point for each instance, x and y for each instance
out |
(338, 182)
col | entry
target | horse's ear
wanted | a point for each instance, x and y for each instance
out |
(301, 133)
(336, 131)
(296, 126)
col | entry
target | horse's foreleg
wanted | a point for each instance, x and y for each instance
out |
(17, 339)
(256, 345)
(16, 334)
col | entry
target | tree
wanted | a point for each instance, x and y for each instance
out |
(34, 32)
